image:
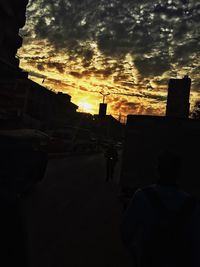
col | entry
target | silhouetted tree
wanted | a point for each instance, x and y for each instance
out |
(195, 114)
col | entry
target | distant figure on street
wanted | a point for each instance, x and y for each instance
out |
(111, 156)
(160, 227)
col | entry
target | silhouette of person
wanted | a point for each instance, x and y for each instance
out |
(158, 203)
(111, 156)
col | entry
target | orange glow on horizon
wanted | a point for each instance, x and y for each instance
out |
(85, 107)
(84, 86)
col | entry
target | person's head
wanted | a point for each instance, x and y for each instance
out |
(169, 167)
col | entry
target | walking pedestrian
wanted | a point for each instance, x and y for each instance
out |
(111, 156)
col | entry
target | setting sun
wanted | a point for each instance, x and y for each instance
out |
(85, 107)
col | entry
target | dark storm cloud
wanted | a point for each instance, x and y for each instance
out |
(121, 77)
(76, 74)
(129, 84)
(40, 67)
(155, 33)
(133, 108)
(99, 72)
(184, 52)
(163, 82)
(61, 85)
(56, 65)
(155, 97)
(153, 66)
(35, 58)
(82, 88)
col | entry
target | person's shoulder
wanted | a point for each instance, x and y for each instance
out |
(140, 200)
(146, 188)
(140, 192)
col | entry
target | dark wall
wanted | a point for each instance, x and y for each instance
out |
(147, 136)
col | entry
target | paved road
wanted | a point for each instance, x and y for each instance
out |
(73, 216)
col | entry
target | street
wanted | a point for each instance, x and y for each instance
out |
(73, 216)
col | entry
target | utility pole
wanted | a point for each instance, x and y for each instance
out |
(104, 95)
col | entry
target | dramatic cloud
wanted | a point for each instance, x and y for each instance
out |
(134, 45)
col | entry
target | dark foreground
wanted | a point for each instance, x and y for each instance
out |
(73, 216)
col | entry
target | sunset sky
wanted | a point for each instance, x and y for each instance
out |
(126, 48)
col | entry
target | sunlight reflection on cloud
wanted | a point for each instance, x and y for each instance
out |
(114, 45)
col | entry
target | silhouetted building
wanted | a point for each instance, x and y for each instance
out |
(146, 137)
(102, 109)
(50, 108)
(178, 105)
(25, 99)
(12, 18)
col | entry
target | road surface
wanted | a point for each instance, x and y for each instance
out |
(73, 216)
